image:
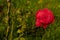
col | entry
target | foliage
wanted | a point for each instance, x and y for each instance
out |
(18, 22)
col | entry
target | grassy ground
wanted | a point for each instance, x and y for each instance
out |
(17, 20)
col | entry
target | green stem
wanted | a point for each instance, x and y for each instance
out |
(11, 30)
(8, 16)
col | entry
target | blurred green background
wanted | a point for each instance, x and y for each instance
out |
(17, 20)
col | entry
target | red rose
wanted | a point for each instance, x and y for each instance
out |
(44, 17)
